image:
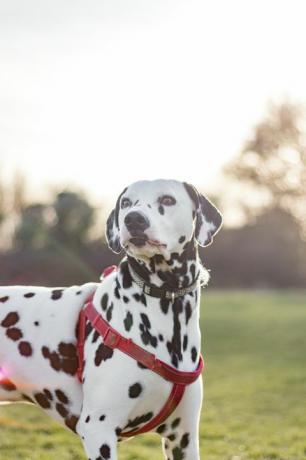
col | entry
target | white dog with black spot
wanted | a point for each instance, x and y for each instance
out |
(140, 362)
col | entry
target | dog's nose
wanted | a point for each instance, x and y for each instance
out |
(136, 221)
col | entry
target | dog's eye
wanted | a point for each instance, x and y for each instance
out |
(167, 200)
(125, 203)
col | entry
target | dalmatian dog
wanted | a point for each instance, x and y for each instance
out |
(158, 225)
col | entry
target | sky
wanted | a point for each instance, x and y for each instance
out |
(100, 93)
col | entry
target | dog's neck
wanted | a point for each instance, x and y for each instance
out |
(180, 271)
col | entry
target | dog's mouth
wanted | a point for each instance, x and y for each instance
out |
(142, 240)
(139, 241)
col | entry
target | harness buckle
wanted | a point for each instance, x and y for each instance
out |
(111, 338)
(170, 295)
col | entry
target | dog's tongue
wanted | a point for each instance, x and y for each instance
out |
(141, 240)
(154, 242)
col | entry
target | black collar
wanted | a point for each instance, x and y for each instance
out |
(155, 291)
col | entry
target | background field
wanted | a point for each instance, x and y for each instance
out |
(255, 384)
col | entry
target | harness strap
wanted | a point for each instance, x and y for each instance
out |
(114, 339)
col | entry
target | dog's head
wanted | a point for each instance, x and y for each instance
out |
(160, 217)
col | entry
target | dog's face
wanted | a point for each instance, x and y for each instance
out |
(160, 217)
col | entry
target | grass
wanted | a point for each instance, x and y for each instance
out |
(254, 344)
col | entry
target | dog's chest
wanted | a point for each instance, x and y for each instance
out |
(168, 329)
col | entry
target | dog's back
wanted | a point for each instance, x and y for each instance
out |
(38, 357)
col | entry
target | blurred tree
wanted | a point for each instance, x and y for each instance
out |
(272, 163)
(18, 192)
(263, 254)
(2, 204)
(32, 229)
(74, 217)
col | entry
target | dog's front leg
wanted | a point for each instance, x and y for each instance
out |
(180, 433)
(99, 441)
(182, 445)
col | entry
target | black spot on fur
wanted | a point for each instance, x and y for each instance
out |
(175, 423)
(188, 312)
(104, 301)
(161, 429)
(126, 276)
(192, 271)
(14, 333)
(164, 305)
(182, 239)
(185, 342)
(61, 396)
(161, 337)
(145, 320)
(87, 419)
(4, 299)
(103, 353)
(117, 289)
(146, 336)
(140, 419)
(177, 453)
(161, 209)
(193, 354)
(61, 409)
(105, 451)
(135, 390)
(184, 441)
(88, 329)
(27, 398)
(29, 294)
(128, 321)
(10, 319)
(174, 360)
(102, 418)
(140, 298)
(109, 312)
(175, 346)
(71, 422)
(171, 437)
(36, 323)
(25, 349)
(65, 359)
(95, 336)
(141, 366)
(57, 294)
(42, 400)
(48, 393)
(125, 299)
(67, 349)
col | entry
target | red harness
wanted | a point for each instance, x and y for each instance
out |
(113, 339)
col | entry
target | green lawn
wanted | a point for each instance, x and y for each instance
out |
(254, 344)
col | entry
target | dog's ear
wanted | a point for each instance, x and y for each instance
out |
(208, 217)
(112, 227)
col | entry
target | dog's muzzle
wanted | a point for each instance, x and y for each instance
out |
(137, 223)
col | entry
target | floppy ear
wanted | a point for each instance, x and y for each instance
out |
(112, 228)
(208, 217)
(112, 233)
